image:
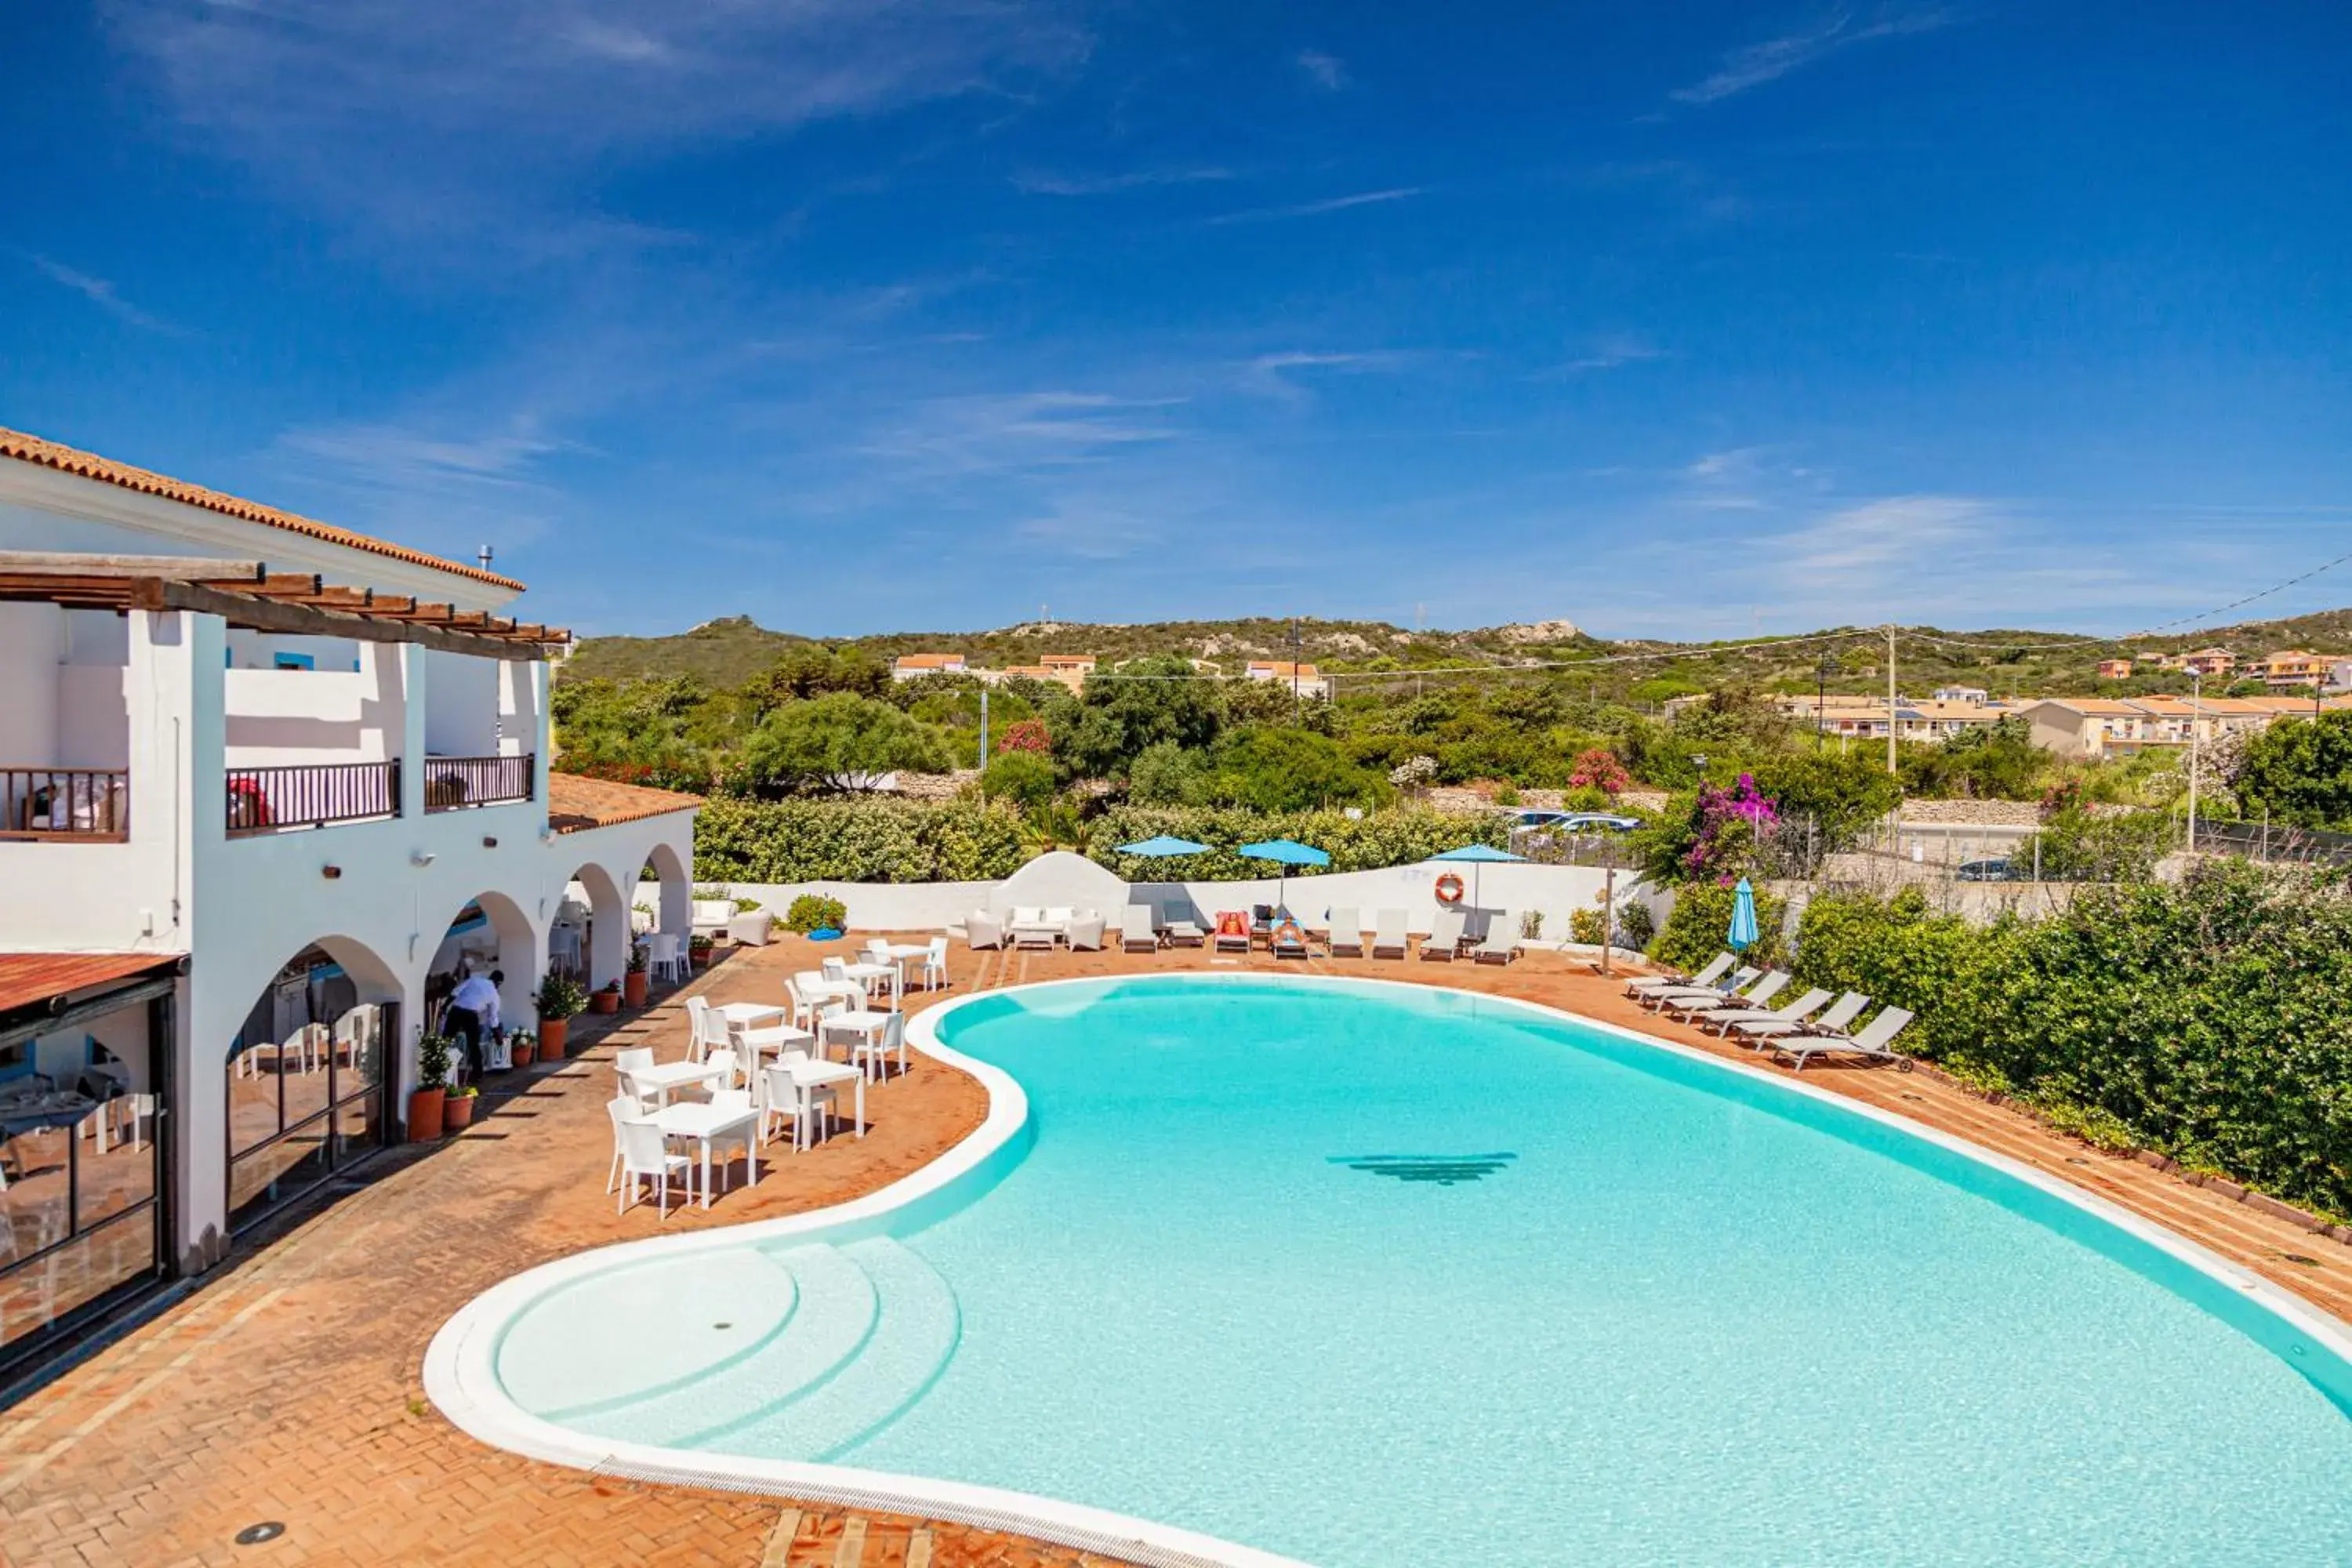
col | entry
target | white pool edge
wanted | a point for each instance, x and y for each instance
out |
(460, 1373)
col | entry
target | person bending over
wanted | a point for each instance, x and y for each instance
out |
(474, 1007)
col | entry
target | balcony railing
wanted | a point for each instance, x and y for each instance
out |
(312, 794)
(452, 784)
(88, 804)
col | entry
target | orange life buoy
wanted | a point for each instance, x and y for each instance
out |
(1449, 888)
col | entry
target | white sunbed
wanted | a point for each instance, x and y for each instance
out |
(1721, 1019)
(1347, 939)
(1444, 936)
(1388, 939)
(1717, 968)
(1844, 1011)
(1234, 941)
(1690, 1009)
(1871, 1042)
(1135, 932)
(1180, 930)
(1502, 944)
(1733, 984)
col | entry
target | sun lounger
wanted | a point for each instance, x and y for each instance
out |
(1445, 937)
(1756, 1032)
(1347, 934)
(1717, 968)
(1135, 932)
(1287, 940)
(1388, 937)
(1872, 1042)
(1232, 933)
(1502, 944)
(1733, 984)
(1721, 1019)
(1689, 1008)
(1180, 930)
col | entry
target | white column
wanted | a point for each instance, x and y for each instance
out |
(412, 732)
(185, 657)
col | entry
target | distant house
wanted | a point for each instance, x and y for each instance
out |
(2207, 662)
(2087, 728)
(1977, 694)
(2293, 667)
(2114, 669)
(1304, 677)
(2339, 674)
(916, 666)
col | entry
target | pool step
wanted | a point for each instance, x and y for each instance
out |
(914, 1337)
(836, 1313)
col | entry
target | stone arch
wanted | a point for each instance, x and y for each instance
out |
(512, 949)
(674, 911)
(604, 944)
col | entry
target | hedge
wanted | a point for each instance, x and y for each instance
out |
(2210, 1019)
(1701, 918)
(1355, 844)
(738, 840)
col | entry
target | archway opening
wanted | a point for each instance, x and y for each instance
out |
(589, 939)
(481, 979)
(308, 1074)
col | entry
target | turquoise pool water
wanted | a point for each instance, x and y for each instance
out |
(1371, 1275)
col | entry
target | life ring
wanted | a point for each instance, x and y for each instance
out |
(1449, 889)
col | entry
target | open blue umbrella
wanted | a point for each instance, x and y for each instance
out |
(1477, 855)
(1743, 933)
(1287, 853)
(1162, 847)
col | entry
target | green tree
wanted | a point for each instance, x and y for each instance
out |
(1115, 719)
(1289, 770)
(1168, 774)
(834, 744)
(2300, 771)
(1025, 778)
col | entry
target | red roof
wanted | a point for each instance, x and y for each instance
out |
(30, 978)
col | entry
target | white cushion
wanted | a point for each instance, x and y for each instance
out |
(1059, 915)
(1028, 914)
(713, 911)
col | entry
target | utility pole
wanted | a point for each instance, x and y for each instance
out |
(1821, 701)
(1608, 913)
(983, 729)
(1293, 672)
(1890, 700)
(2196, 750)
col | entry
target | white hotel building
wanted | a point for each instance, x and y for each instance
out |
(266, 786)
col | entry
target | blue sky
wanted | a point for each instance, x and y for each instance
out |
(854, 315)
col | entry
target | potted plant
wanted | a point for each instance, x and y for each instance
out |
(457, 1109)
(608, 1000)
(634, 992)
(560, 999)
(426, 1103)
(521, 1046)
(698, 949)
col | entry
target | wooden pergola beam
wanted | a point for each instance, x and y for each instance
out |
(305, 620)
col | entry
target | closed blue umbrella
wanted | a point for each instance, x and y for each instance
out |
(1287, 853)
(1743, 933)
(1477, 855)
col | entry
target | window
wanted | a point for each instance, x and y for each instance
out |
(296, 661)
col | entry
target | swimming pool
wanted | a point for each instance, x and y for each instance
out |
(1348, 1271)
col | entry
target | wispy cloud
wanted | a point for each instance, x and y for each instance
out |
(1315, 209)
(430, 480)
(1328, 72)
(102, 294)
(1607, 352)
(1276, 374)
(1041, 185)
(1753, 65)
(1023, 432)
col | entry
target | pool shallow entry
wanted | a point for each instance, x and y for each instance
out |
(1324, 1268)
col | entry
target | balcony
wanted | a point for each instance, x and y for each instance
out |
(458, 784)
(311, 795)
(81, 805)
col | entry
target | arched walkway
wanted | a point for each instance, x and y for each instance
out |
(307, 1073)
(593, 940)
(490, 935)
(675, 911)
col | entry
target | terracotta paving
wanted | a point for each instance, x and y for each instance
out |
(287, 1388)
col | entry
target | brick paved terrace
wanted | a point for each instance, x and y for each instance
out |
(285, 1388)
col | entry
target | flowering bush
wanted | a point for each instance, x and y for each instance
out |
(1025, 735)
(1600, 769)
(1728, 822)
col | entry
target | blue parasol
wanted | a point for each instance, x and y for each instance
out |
(1477, 855)
(1743, 933)
(1162, 847)
(1287, 853)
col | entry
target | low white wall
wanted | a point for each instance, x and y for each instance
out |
(1555, 890)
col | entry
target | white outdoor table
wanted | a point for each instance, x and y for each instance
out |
(864, 972)
(901, 954)
(664, 1076)
(749, 1015)
(704, 1123)
(869, 1024)
(808, 1074)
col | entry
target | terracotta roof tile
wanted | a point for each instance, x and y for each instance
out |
(574, 802)
(89, 466)
(27, 978)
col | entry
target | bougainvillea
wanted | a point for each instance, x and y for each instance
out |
(1025, 735)
(1600, 769)
(1728, 822)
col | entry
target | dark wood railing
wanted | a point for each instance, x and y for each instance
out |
(86, 803)
(312, 794)
(452, 784)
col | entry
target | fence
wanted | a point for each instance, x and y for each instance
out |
(65, 802)
(312, 794)
(452, 784)
(2273, 844)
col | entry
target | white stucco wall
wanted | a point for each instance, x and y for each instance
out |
(32, 641)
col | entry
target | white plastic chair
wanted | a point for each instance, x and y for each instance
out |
(628, 1060)
(733, 1100)
(935, 964)
(724, 1059)
(621, 1108)
(787, 1097)
(706, 1028)
(668, 958)
(873, 1050)
(645, 1157)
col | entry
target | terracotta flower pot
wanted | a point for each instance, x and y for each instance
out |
(633, 988)
(606, 1001)
(520, 1053)
(552, 1032)
(424, 1108)
(457, 1112)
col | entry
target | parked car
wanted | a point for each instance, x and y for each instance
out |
(2000, 870)
(1573, 822)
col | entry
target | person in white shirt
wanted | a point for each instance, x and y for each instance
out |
(474, 1007)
